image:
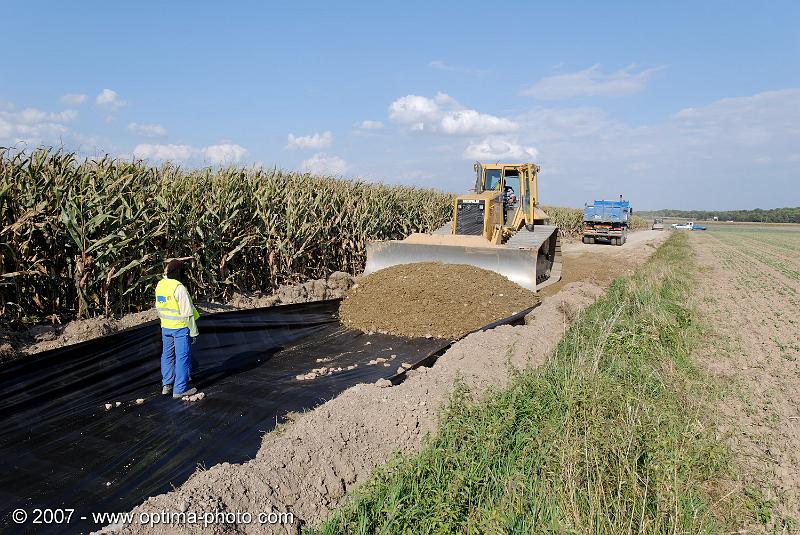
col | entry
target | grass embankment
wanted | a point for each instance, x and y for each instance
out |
(607, 437)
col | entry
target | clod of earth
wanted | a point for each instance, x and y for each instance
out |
(432, 300)
(194, 397)
(319, 372)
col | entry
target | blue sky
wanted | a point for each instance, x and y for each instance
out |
(681, 104)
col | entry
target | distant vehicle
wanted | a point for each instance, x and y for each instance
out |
(689, 226)
(606, 221)
(658, 224)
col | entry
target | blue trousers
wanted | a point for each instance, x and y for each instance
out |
(176, 359)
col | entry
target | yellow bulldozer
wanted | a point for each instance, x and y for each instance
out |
(498, 226)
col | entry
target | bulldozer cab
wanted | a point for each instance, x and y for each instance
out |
(517, 185)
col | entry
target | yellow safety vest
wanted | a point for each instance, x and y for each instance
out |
(167, 306)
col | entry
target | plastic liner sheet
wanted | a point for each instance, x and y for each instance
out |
(61, 448)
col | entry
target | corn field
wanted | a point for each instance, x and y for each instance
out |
(568, 220)
(81, 238)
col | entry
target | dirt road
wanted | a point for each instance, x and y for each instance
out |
(309, 465)
(601, 263)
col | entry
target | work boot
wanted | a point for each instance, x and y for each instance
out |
(190, 392)
(166, 390)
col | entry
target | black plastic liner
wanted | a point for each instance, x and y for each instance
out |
(60, 447)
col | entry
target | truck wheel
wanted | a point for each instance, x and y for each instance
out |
(585, 239)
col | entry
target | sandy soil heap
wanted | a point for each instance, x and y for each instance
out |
(432, 299)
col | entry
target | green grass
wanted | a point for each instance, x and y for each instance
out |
(610, 436)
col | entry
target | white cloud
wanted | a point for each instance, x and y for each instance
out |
(444, 114)
(33, 116)
(147, 130)
(173, 153)
(215, 154)
(313, 141)
(371, 125)
(412, 109)
(497, 148)
(33, 126)
(472, 122)
(324, 164)
(73, 99)
(591, 82)
(442, 65)
(566, 123)
(770, 117)
(108, 98)
(224, 153)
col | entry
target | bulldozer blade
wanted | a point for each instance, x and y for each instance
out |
(517, 265)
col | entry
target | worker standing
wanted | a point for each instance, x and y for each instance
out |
(178, 331)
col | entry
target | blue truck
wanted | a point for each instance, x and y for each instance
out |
(606, 221)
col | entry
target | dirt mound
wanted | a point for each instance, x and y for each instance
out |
(432, 299)
(333, 287)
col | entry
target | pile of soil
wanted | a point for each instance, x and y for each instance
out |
(432, 299)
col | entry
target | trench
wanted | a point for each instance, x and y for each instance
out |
(61, 448)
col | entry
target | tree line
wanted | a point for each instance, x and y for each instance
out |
(773, 215)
